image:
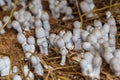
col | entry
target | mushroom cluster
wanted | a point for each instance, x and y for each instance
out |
(87, 6)
(97, 41)
(58, 7)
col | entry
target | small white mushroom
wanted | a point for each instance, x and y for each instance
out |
(97, 24)
(17, 77)
(68, 40)
(77, 42)
(115, 66)
(97, 33)
(108, 56)
(16, 25)
(37, 65)
(45, 16)
(56, 13)
(39, 32)
(26, 25)
(60, 43)
(45, 47)
(111, 21)
(2, 31)
(2, 2)
(97, 62)
(28, 74)
(51, 39)
(84, 66)
(113, 30)
(88, 56)
(108, 14)
(38, 23)
(6, 19)
(68, 14)
(64, 53)
(31, 42)
(61, 33)
(86, 45)
(85, 7)
(77, 24)
(92, 39)
(6, 63)
(117, 53)
(84, 35)
(21, 39)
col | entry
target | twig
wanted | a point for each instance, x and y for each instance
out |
(81, 17)
(96, 10)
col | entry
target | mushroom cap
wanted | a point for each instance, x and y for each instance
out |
(16, 24)
(108, 14)
(111, 21)
(92, 39)
(83, 64)
(117, 53)
(76, 32)
(60, 43)
(88, 57)
(31, 40)
(45, 16)
(97, 23)
(21, 38)
(112, 42)
(85, 7)
(97, 61)
(67, 36)
(28, 55)
(113, 30)
(77, 24)
(115, 66)
(106, 27)
(5, 19)
(15, 69)
(61, 33)
(46, 25)
(38, 23)
(27, 48)
(97, 33)
(108, 56)
(57, 9)
(86, 45)
(84, 35)
(68, 11)
(17, 77)
(34, 60)
(40, 32)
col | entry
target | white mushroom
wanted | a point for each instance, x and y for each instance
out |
(17, 77)
(115, 66)
(64, 53)
(31, 42)
(28, 74)
(21, 39)
(97, 62)
(84, 35)
(97, 24)
(85, 7)
(37, 65)
(3, 30)
(68, 14)
(16, 25)
(68, 40)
